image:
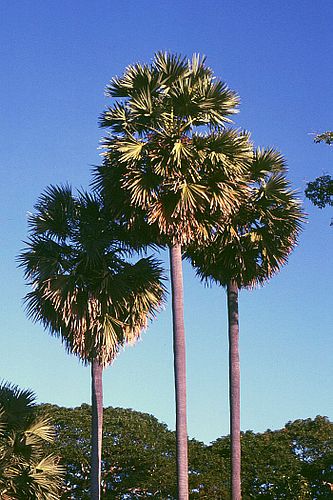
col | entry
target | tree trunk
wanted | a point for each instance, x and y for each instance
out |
(179, 369)
(234, 390)
(96, 428)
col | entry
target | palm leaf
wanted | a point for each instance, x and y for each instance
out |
(83, 287)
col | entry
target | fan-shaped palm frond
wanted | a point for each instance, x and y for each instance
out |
(257, 240)
(24, 470)
(17, 405)
(83, 288)
(198, 175)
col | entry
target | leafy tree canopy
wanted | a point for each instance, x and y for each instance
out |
(139, 458)
(293, 462)
(320, 191)
(324, 137)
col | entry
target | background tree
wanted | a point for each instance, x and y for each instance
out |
(269, 467)
(320, 191)
(139, 458)
(85, 291)
(244, 252)
(170, 163)
(326, 137)
(26, 471)
(311, 440)
(292, 462)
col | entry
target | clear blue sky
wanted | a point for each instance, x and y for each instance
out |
(56, 59)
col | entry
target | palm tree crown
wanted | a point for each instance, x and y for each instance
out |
(168, 155)
(83, 288)
(257, 240)
(85, 291)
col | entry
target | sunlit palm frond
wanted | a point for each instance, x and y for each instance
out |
(135, 78)
(53, 213)
(164, 168)
(39, 430)
(170, 67)
(130, 150)
(47, 476)
(257, 239)
(24, 471)
(82, 284)
(118, 117)
(266, 162)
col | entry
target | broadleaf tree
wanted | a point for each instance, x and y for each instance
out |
(320, 191)
(139, 458)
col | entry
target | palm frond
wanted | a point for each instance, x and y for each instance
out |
(83, 288)
(157, 168)
(170, 67)
(253, 243)
(39, 430)
(24, 471)
(267, 161)
(54, 211)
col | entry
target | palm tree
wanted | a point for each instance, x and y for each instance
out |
(245, 252)
(85, 291)
(25, 471)
(169, 164)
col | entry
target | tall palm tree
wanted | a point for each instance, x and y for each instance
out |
(245, 252)
(85, 291)
(170, 163)
(25, 471)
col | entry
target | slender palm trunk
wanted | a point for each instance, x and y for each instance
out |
(234, 390)
(96, 428)
(179, 369)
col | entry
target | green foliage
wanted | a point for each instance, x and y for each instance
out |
(320, 191)
(27, 472)
(138, 458)
(293, 462)
(252, 245)
(169, 160)
(326, 137)
(312, 443)
(83, 288)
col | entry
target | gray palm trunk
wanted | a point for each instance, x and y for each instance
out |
(96, 428)
(179, 369)
(234, 390)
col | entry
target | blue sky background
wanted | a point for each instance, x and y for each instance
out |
(56, 59)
